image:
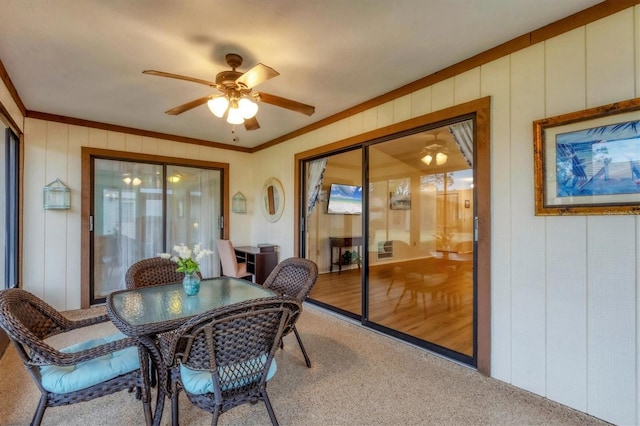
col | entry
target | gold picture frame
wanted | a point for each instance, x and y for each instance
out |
(588, 162)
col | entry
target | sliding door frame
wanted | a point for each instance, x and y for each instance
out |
(480, 110)
(88, 154)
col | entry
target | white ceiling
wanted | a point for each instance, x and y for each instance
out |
(84, 59)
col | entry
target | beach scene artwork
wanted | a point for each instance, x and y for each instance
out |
(599, 161)
(345, 199)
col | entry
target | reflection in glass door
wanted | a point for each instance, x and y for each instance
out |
(131, 221)
(421, 239)
(333, 236)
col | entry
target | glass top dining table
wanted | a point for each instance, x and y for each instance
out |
(145, 312)
(160, 308)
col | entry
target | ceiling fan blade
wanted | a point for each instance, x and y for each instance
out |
(189, 105)
(256, 75)
(251, 123)
(179, 77)
(284, 103)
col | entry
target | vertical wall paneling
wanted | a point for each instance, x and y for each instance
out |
(527, 245)
(55, 240)
(33, 277)
(566, 354)
(467, 86)
(116, 141)
(150, 145)
(495, 80)
(611, 321)
(369, 120)
(402, 109)
(133, 143)
(98, 138)
(565, 73)
(355, 124)
(78, 137)
(610, 59)
(442, 94)
(421, 102)
(385, 115)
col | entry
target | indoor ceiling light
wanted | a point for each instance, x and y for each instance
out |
(234, 116)
(135, 181)
(427, 159)
(441, 158)
(248, 108)
(236, 109)
(434, 149)
(218, 106)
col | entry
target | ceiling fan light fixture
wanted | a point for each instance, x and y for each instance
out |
(234, 116)
(427, 159)
(248, 109)
(218, 106)
(441, 158)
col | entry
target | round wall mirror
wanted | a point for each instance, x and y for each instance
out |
(272, 199)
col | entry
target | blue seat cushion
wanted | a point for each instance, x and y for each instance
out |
(72, 378)
(199, 382)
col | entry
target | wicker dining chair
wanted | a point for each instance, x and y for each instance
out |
(81, 372)
(153, 271)
(223, 358)
(294, 277)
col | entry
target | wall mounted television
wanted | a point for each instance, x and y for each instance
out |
(345, 199)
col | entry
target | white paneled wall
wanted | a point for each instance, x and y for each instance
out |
(565, 290)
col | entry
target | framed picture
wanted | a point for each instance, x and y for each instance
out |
(588, 162)
(399, 201)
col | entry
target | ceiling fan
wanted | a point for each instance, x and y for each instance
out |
(236, 101)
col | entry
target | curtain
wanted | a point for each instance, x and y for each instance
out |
(314, 183)
(463, 135)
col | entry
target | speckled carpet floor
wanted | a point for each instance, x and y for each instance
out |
(358, 377)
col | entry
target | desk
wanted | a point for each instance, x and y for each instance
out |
(144, 312)
(340, 243)
(260, 260)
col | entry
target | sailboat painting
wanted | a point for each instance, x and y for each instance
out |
(598, 161)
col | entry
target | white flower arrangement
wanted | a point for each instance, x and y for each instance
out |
(188, 260)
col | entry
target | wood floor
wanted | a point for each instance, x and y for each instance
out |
(432, 301)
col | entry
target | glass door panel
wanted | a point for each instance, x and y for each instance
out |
(127, 220)
(194, 210)
(333, 236)
(421, 240)
(131, 221)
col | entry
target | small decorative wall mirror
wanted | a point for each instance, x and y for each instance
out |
(239, 203)
(272, 199)
(56, 196)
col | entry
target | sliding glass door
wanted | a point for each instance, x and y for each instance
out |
(142, 209)
(400, 255)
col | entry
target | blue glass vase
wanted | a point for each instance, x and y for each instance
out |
(191, 283)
